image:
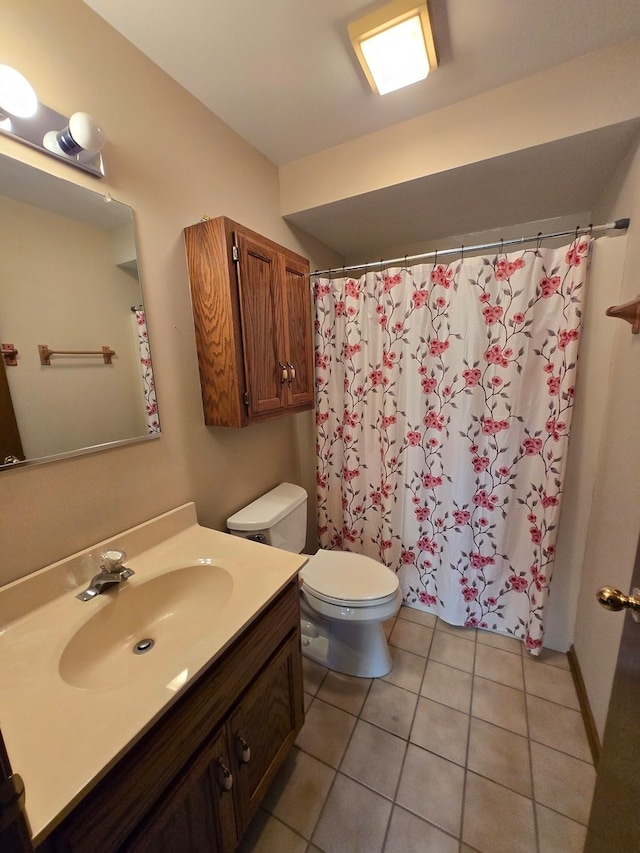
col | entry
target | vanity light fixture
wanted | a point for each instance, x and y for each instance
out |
(394, 45)
(77, 140)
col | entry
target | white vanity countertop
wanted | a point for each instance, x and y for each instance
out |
(62, 738)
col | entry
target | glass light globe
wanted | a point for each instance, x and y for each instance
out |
(17, 96)
(83, 133)
(86, 132)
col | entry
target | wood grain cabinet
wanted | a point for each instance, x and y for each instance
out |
(197, 813)
(252, 312)
(195, 780)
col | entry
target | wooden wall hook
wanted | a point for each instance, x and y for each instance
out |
(630, 312)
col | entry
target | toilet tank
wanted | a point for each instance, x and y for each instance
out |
(278, 518)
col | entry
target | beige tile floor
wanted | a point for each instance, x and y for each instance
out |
(468, 744)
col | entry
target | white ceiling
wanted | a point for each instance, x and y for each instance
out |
(283, 75)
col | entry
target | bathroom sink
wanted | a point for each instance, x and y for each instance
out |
(145, 625)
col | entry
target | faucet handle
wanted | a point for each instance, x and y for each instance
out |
(112, 560)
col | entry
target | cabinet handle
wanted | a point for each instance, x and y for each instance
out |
(244, 752)
(226, 779)
(292, 372)
(285, 375)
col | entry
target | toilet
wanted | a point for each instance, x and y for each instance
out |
(344, 597)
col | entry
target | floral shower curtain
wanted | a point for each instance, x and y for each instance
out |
(146, 370)
(444, 401)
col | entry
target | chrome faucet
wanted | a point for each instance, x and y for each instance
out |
(112, 572)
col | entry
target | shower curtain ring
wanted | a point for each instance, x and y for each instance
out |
(591, 229)
(538, 241)
(461, 253)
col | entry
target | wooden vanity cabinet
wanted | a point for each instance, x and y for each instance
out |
(251, 302)
(194, 781)
(197, 814)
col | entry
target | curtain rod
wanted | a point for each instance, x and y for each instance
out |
(618, 225)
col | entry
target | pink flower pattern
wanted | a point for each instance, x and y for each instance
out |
(444, 399)
(146, 372)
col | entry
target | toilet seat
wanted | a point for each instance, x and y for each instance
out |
(348, 580)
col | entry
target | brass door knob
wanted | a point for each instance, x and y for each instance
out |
(614, 599)
(11, 460)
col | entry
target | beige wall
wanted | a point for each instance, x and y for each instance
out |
(612, 482)
(173, 162)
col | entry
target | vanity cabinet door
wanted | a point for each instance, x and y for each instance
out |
(263, 726)
(168, 793)
(14, 830)
(197, 814)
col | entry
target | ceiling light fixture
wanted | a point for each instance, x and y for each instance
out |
(395, 45)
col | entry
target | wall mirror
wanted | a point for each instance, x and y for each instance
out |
(75, 367)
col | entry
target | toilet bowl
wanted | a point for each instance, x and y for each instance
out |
(344, 597)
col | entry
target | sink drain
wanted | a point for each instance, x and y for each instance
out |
(143, 646)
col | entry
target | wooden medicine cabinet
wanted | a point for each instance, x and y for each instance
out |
(251, 304)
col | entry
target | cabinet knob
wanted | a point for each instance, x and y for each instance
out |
(292, 372)
(244, 752)
(284, 376)
(226, 779)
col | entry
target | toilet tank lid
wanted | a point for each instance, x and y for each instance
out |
(269, 509)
